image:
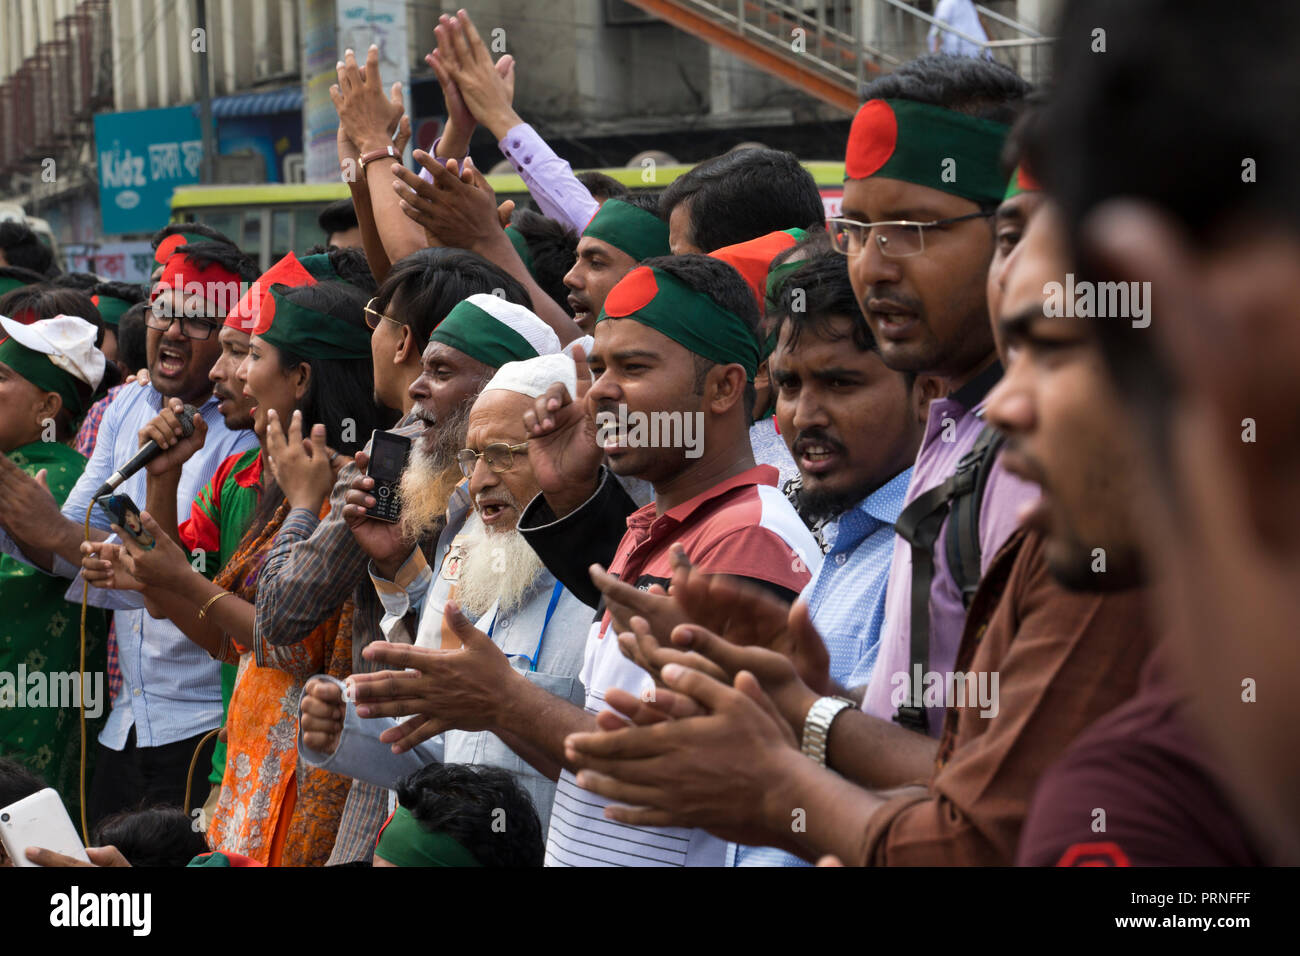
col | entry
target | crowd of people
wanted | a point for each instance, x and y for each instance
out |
(728, 534)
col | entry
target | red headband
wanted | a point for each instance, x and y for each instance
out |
(219, 285)
(247, 312)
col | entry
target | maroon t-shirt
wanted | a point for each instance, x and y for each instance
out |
(1143, 766)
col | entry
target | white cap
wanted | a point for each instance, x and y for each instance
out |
(69, 341)
(534, 376)
(534, 331)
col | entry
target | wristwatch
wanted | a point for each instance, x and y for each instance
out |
(817, 726)
(377, 154)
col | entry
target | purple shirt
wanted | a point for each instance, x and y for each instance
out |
(549, 179)
(1004, 496)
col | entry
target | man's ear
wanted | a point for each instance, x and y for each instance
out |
(925, 389)
(405, 347)
(725, 387)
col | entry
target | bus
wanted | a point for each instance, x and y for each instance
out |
(273, 218)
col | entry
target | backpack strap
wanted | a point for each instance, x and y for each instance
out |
(962, 542)
(919, 525)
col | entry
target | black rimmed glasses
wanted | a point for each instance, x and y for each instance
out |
(498, 455)
(160, 319)
(896, 238)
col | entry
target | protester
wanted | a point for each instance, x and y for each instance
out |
(166, 695)
(621, 234)
(488, 570)
(23, 249)
(48, 370)
(454, 815)
(158, 836)
(1208, 383)
(338, 221)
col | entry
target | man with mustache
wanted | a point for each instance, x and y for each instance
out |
(1064, 635)
(620, 234)
(1201, 768)
(490, 572)
(923, 176)
(677, 335)
(168, 694)
(315, 566)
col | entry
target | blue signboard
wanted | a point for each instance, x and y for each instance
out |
(142, 157)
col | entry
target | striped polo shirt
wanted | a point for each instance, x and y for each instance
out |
(743, 526)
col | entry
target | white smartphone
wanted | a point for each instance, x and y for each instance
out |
(39, 820)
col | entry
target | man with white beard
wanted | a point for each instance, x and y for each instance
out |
(489, 571)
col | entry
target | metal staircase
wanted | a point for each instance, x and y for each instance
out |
(830, 48)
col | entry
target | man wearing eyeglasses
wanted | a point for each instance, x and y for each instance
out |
(168, 694)
(924, 180)
(523, 618)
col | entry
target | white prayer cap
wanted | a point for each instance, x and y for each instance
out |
(534, 376)
(67, 340)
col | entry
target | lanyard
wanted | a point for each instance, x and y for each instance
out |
(550, 610)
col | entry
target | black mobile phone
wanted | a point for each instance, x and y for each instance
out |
(123, 513)
(388, 455)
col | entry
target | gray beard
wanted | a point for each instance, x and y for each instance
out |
(431, 476)
(498, 566)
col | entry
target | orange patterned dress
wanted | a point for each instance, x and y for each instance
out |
(272, 808)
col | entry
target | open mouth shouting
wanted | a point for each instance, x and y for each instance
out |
(817, 455)
(171, 361)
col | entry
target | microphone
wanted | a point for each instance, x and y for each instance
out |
(147, 453)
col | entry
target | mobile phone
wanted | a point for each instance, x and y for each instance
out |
(123, 512)
(388, 456)
(39, 820)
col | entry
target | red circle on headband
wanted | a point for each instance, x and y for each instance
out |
(168, 246)
(634, 292)
(872, 139)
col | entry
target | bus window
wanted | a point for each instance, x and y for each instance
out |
(281, 233)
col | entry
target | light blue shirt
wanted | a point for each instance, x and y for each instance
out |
(846, 601)
(171, 687)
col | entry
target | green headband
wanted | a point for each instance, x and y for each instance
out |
(111, 309)
(305, 332)
(690, 318)
(37, 368)
(482, 336)
(927, 145)
(641, 234)
(9, 283)
(403, 842)
(521, 246)
(320, 268)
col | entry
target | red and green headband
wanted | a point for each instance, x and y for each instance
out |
(753, 258)
(928, 145)
(311, 334)
(217, 284)
(1021, 182)
(37, 368)
(690, 318)
(521, 246)
(111, 308)
(641, 234)
(248, 310)
(403, 841)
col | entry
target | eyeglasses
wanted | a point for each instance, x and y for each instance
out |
(373, 316)
(160, 319)
(498, 455)
(896, 239)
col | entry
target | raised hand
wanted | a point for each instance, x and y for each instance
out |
(460, 119)
(302, 468)
(368, 116)
(452, 208)
(382, 540)
(562, 445)
(486, 88)
(165, 429)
